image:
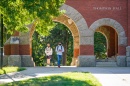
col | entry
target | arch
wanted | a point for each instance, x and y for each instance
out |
(112, 39)
(77, 25)
(122, 39)
(79, 22)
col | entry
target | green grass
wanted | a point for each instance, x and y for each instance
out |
(6, 70)
(65, 79)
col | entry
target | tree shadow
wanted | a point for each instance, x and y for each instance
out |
(7, 76)
(51, 81)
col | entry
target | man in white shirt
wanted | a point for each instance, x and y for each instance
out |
(59, 51)
(48, 52)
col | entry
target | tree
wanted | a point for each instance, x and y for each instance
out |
(100, 47)
(19, 13)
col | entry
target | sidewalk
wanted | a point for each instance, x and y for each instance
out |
(108, 76)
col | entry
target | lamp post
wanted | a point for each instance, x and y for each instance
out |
(1, 41)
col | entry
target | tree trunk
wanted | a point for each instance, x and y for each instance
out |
(65, 48)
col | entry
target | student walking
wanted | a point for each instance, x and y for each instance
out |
(48, 52)
(59, 51)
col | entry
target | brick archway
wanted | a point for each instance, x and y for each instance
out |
(75, 33)
(77, 26)
(122, 39)
(115, 25)
(112, 40)
(72, 19)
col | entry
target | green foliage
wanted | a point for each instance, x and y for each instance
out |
(6, 70)
(65, 79)
(60, 33)
(100, 45)
(19, 13)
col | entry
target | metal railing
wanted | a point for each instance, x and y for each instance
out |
(1, 48)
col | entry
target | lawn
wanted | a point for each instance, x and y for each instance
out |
(65, 79)
(6, 70)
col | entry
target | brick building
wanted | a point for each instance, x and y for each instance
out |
(83, 18)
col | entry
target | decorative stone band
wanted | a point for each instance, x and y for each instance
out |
(128, 56)
(14, 60)
(128, 51)
(20, 61)
(86, 61)
(121, 61)
(128, 61)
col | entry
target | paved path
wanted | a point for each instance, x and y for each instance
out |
(108, 76)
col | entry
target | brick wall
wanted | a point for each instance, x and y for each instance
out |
(88, 9)
(121, 50)
(86, 50)
(85, 7)
(129, 22)
(7, 49)
(14, 49)
(25, 49)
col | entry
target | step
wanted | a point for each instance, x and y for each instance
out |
(106, 60)
(106, 64)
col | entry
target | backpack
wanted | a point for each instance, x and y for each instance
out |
(58, 47)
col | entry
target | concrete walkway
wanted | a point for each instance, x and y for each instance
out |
(108, 76)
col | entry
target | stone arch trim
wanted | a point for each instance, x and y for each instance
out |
(122, 39)
(79, 22)
(72, 27)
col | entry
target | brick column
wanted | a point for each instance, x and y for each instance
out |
(87, 58)
(128, 47)
(128, 22)
(26, 50)
(14, 59)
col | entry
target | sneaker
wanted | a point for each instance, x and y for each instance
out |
(48, 65)
(58, 66)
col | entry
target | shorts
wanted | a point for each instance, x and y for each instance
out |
(48, 57)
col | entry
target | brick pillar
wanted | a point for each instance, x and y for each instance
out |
(128, 22)
(128, 56)
(121, 58)
(14, 59)
(128, 47)
(86, 57)
(14, 43)
(7, 49)
(26, 50)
